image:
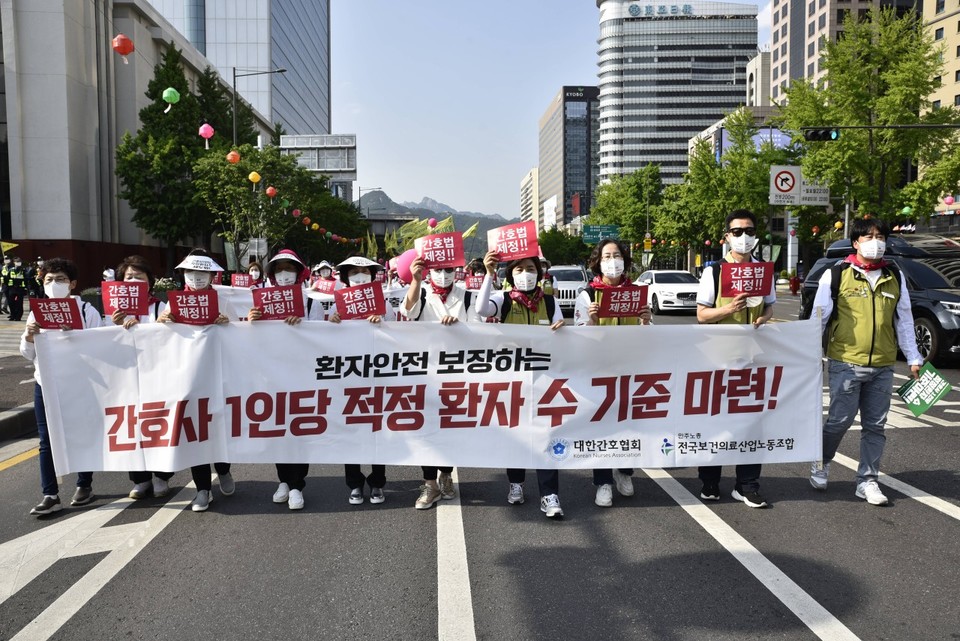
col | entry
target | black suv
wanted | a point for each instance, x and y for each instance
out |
(931, 265)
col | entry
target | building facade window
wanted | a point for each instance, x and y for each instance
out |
(822, 22)
(956, 101)
(811, 49)
(938, 34)
(941, 5)
(936, 104)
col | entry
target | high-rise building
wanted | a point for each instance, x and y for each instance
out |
(758, 80)
(569, 154)
(801, 28)
(667, 71)
(262, 35)
(944, 26)
(530, 197)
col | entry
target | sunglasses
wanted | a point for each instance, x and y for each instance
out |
(740, 231)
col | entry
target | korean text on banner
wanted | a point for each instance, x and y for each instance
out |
(622, 302)
(241, 280)
(131, 297)
(755, 279)
(514, 241)
(56, 313)
(472, 394)
(441, 250)
(194, 308)
(360, 301)
(922, 393)
(278, 303)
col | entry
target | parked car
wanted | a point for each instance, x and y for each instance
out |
(571, 280)
(670, 289)
(931, 266)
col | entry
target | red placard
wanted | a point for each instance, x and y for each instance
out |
(131, 297)
(277, 303)
(326, 286)
(55, 313)
(380, 276)
(755, 279)
(194, 308)
(514, 241)
(241, 280)
(474, 282)
(622, 302)
(441, 250)
(360, 301)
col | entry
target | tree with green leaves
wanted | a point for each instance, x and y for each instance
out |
(216, 108)
(276, 132)
(629, 201)
(560, 248)
(244, 210)
(155, 166)
(879, 73)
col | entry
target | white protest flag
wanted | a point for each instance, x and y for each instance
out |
(166, 396)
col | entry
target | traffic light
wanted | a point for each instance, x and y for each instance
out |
(821, 134)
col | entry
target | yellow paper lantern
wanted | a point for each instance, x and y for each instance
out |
(314, 226)
(254, 177)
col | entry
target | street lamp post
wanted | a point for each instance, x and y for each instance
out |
(241, 75)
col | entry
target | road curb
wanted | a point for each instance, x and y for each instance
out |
(18, 422)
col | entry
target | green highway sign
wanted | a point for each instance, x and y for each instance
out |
(593, 233)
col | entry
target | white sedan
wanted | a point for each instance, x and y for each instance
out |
(669, 289)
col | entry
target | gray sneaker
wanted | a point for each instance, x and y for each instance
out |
(227, 485)
(202, 501)
(447, 491)
(819, 471)
(141, 490)
(82, 496)
(48, 505)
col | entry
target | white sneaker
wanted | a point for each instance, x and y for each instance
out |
(296, 500)
(141, 490)
(376, 495)
(515, 496)
(160, 486)
(819, 471)
(282, 493)
(604, 495)
(356, 496)
(624, 483)
(870, 491)
(550, 505)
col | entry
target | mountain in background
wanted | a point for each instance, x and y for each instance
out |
(378, 203)
(439, 208)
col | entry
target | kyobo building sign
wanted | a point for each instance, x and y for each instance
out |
(660, 10)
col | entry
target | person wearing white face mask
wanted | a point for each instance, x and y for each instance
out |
(438, 301)
(610, 263)
(137, 269)
(741, 236)
(865, 308)
(59, 280)
(287, 269)
(256, 275)
(524, 304)
(360, 271)
(198, 270)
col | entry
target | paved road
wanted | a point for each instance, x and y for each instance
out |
(659, 565)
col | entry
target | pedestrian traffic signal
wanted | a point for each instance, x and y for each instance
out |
(821, 134)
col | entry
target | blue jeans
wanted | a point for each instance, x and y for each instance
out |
(867, 390)
(48, 475)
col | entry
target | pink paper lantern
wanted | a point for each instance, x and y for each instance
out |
(948, 200)
(206, 132)
(404, 261)
(707, 243)
(432, 223)
(296, 214)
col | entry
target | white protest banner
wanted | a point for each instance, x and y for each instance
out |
(168, 396)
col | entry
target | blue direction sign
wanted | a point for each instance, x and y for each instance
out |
(593, 233)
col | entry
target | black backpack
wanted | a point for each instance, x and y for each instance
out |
(836, 271)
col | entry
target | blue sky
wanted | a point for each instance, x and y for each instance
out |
(445, 95)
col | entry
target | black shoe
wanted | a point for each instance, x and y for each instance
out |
(710, 492)
(82, 496)
(752, 499)
(48, 505)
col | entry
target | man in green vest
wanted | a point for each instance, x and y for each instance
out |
(741, 237)
(867, 316)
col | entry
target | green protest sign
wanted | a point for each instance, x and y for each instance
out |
(920, 394)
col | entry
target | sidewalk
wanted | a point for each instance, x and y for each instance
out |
(16, 392)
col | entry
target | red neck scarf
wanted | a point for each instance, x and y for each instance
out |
(597, 283)
(531, 302)
(442, 292)
(854, 260)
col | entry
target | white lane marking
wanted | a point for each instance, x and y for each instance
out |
(454, 599)
(805, 607)
(48, 622)
(929, 500)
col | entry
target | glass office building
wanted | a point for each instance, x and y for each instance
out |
(666, 73)
(569, 155)
(260, 35)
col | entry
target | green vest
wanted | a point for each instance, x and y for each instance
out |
(519, 315)
(746, 316)
(632, 320)
(862, 330)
